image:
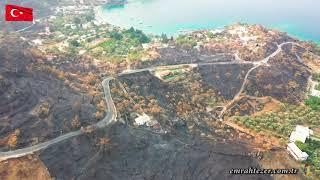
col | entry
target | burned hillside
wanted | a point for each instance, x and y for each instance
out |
(39, 102)
(139, 154)
(286, 79)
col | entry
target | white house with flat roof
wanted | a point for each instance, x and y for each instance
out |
(144, 119)
(296, 152)
(301, 133)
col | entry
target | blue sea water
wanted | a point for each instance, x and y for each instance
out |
(296, 17)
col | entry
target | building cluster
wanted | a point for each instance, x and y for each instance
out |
(300, 134)
(73, 9)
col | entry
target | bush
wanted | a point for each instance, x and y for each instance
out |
(115, 35)
(316, 77)
(137, 34)
(312, 148)
(313, 102)
(164, 38)
(74, 43)
(44, 110)
(186, 42)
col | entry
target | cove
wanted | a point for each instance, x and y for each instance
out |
(298, 18)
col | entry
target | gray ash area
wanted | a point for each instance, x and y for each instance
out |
(35, 105)
(226, 80)
(138, 154)
(286, 79)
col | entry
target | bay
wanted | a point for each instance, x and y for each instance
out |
(298, 18)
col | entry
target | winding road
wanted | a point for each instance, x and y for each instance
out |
(33, 23)
(257, 64)
(111, 115)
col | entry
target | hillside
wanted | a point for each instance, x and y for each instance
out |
(193, 109)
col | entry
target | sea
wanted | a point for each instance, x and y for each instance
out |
(298, 18)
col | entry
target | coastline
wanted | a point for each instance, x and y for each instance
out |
(98, 14)
(98, 10)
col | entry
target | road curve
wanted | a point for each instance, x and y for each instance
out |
(257, 64)
(110, 117)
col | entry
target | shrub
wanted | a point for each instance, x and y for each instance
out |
(44, 110)
(316, 77)
(186, 42)
(137, 34)
(313, 102)
(312, 148)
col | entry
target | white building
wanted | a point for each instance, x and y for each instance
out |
(145, 120)
(301, 133)
(296, 152)
(142, 119)
(37, 42)
(87, 25)
(314, 91)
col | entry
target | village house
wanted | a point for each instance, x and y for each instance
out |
(301, 134)
(144, 119)
(296, 152)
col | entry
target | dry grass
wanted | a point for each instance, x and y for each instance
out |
(281, 160)
(269, 106)
(26, 168)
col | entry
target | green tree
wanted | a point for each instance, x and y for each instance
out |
(89, 17)
(115, 35)
(77, 20)
(74, 43)
(313, 102)
(164, 38)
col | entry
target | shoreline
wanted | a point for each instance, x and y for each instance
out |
(98, 12)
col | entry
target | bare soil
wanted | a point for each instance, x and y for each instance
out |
(26, 168)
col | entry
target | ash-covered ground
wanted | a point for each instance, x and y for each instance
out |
(139, 154)
(35, 103)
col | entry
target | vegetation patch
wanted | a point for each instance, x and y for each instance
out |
(122, 44)
(283, 122)
(312, 148)
(313, 102)
(186, 42)
(316, 77)
(174, 74)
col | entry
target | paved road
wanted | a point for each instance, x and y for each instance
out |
(126, 72)
(110, 117)
(257, 64)
(33, 23)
